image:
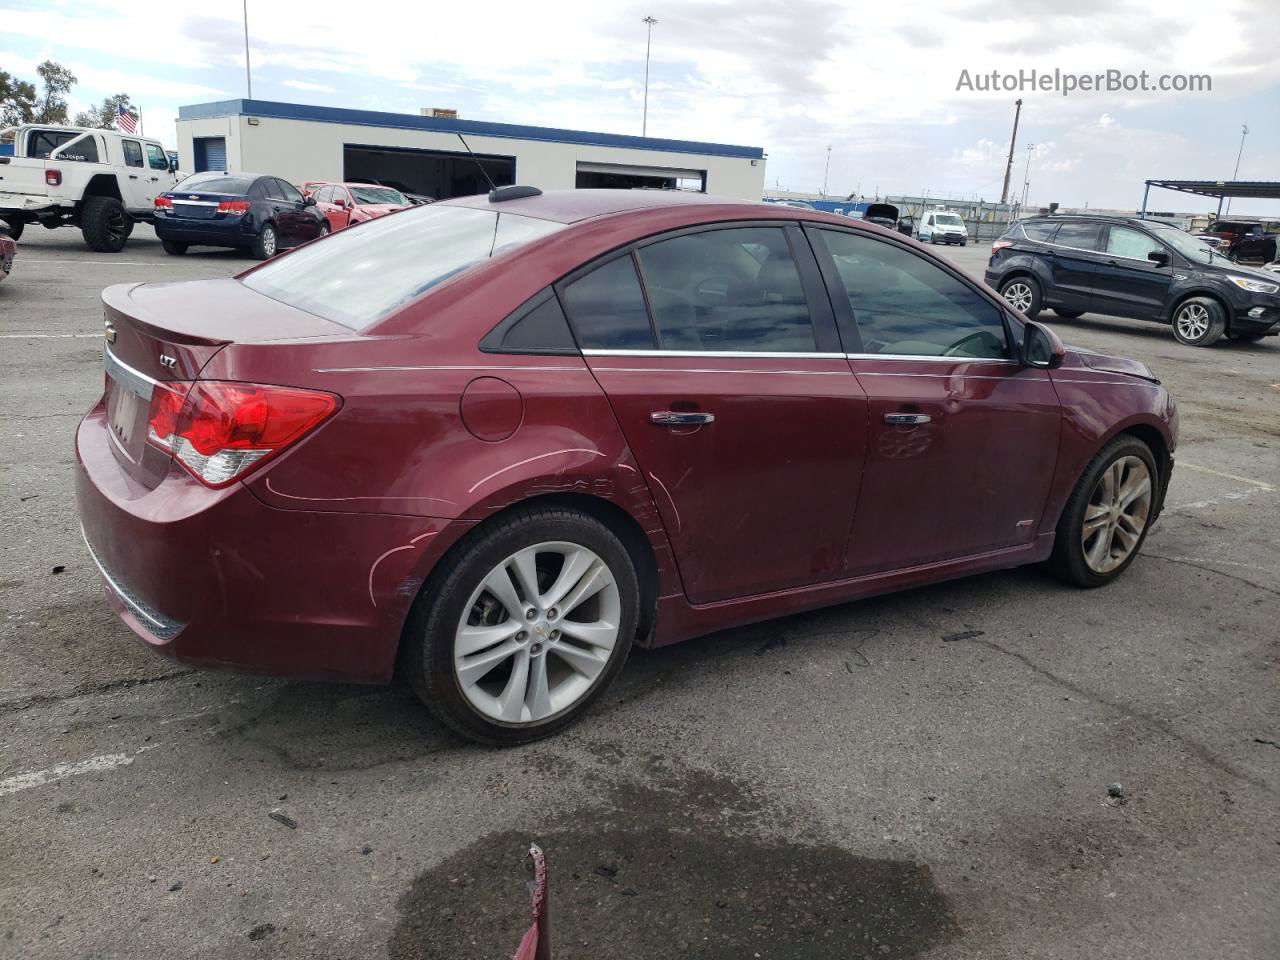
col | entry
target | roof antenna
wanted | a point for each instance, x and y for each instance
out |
(492, 185)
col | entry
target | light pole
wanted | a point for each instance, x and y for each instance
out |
(1026, 176)
(248, 77)
(1244, 133)
(827, 171)
(644, 123)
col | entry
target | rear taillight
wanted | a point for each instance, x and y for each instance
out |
(221, 431)
(53, 178)
(233, 206)
(164, 203)
(1000, 245)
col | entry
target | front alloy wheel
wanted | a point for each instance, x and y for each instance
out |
(1117, 514)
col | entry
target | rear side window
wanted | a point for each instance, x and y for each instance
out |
(1041, 231)
(904, 305)
(41, 143)
(607, 309)
(85, 149)
(357, 277)
(727, 290)
(132, 153)
(537, 327)
(1080, 236)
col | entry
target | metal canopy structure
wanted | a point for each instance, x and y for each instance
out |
(1253, 189)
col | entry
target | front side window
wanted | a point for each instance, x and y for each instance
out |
(357, 277)
(1130, 243)
(606, 307)
(727, 290)
(132, 153)
(1080, 236)
(903, 305)
(157, 159)
(289, 192)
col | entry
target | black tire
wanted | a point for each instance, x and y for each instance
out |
(1068, 561)
(1245, 337)
(105, 224)
(1068, 314)
(428, 644)
(1199, 322)
(16, 227)
(325, 230)
(267, 244)
(1030, 296)
(173, 247)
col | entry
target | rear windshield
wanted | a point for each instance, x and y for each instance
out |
(358, 276)
(216, 183)
(378, 195)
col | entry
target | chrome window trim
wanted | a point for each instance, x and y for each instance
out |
(727, 354)
(161, 626)
(753, 371)
(194, 203)
(1101, 253)
(135, 381)
(929, 358)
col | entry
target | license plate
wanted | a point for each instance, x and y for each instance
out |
(122, 413)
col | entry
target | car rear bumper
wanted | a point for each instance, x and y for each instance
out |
(216, 233)
(217, 578)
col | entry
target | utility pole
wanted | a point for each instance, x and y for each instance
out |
(248, 77)
(644, 123)
(827, 171)
(1239, 154)
(1008, 168)
(1026, 176)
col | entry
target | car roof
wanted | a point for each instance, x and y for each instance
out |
(571, 206)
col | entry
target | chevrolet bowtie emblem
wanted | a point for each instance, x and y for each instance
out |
(109, 331)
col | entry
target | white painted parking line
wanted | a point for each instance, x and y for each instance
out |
(27, 261)
(1229, 476)
(38, 778)
(50, 336)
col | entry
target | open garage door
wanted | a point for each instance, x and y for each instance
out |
(434, 174)
(623, 176)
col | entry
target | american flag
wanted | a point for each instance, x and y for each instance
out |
(126, 120)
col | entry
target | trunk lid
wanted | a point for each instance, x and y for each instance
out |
(200, 206)
(165, 332)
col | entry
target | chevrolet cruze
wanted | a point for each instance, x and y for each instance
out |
(496, 441)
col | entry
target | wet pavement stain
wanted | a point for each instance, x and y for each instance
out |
(674, 871)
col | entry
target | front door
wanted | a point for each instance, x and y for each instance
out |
(133, 186)
(725, 373)
(1127, 284)
(962, 439)
(1074, 257)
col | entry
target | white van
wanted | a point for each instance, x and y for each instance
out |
(943, 226)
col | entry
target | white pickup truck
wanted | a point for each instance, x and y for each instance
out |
(102, 181)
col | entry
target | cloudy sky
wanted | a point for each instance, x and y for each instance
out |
(876, 81)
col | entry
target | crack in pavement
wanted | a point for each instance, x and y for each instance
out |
(1221, 573)
(44, 699)
(1199, 750)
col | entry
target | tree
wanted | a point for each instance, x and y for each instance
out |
(58, 81)
(17, 100)
(104, 116)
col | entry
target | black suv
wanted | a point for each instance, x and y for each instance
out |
(1126, 267)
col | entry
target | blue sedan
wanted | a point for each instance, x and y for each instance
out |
(246, 210)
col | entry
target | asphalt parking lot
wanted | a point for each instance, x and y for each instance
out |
(844, 783)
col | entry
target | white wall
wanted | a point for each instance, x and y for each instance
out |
(301, 150)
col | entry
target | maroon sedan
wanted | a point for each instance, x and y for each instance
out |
(495, 441)
(7, 250)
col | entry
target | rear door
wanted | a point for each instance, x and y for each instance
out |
(1127, 284)
(725, 372)
(962, 439)
(1073, 264)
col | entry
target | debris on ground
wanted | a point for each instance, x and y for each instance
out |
(366, 850)
(284, 818)
(1115, 795)
(175, 886)
(962, 635)
(606, 870)
(58, 568)
(262, 930)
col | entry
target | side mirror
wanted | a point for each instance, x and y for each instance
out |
(309, 200)
(1159, 257)
(1041, 347)
(340, 203)
(173, 164)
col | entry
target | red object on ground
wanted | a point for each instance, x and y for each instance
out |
(536, 943)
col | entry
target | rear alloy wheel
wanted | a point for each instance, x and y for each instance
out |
(1199, 322)
(324, 230)
(1108, 515)
(1023, 294)
(105, 224)
(522, 630)
(1068, 314)
(268, 243)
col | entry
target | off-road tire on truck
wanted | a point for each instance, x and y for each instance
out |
(105, 224)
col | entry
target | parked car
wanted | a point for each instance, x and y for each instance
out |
(1242, 240)
(941, 226)
(907, 226)
(101, 181)
(1127, 267)
(257, 213)
(346, 204)
(8, 248)
(414, 197)
(500, 439)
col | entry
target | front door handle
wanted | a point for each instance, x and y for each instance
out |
(906, 419)
(133, 176)
(680, 418)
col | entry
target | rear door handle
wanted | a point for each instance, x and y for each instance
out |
(906, 419)
(680, 418)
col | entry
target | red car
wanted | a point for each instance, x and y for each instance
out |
(495, 441)
(349, 203)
